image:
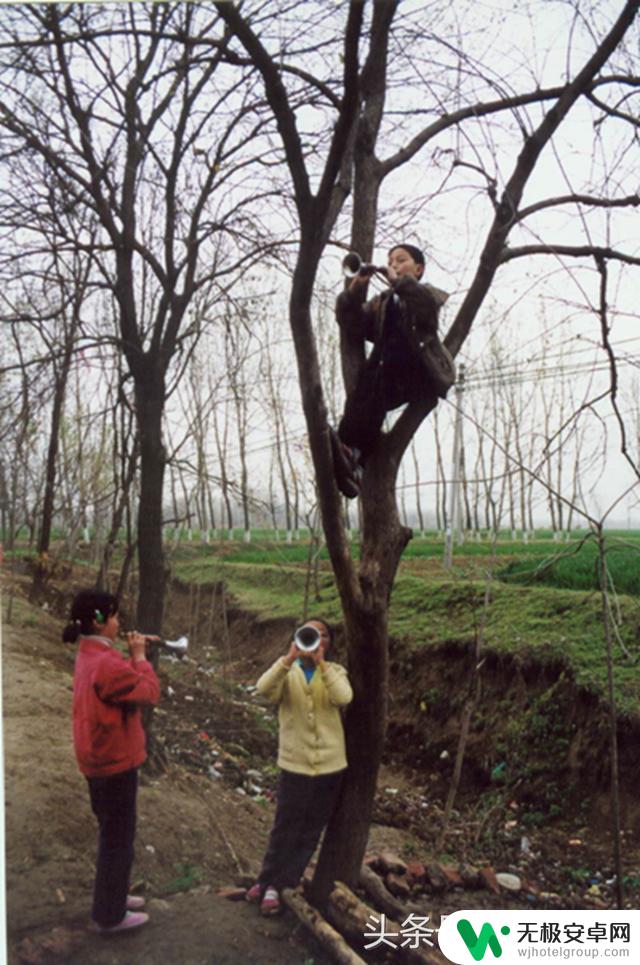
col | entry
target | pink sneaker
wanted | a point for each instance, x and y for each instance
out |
(135, 902)
(270, 904)
(132, 919)
(254, 894)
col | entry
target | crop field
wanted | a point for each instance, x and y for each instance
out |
(544, 599)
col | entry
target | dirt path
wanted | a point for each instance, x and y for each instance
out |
(192, 835)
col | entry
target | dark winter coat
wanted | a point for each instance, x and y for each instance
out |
(408, 360)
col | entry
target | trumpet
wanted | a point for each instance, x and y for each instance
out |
(177, 647)
(353, 265)
(307, 639)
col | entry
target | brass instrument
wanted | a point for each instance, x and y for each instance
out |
(307, 639)
(177, 647)
(353, 265)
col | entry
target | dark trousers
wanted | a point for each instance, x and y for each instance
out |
(364, 413)
(303, 808)
(113, 801)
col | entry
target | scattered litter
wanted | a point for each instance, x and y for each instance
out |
(498, 773)
(508, 881)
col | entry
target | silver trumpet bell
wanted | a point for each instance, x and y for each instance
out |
(307, 639)
(178, 647)
(352, 265)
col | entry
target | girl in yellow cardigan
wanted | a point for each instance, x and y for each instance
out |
(310, 693)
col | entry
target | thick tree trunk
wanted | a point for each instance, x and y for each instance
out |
(149, 407)
(44, 538)
(365, 613)
(346, 837)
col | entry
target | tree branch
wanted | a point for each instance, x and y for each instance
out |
(631, 200)
(507, 210)
(278, 100)
(573, 251)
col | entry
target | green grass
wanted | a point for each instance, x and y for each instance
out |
(545, 604)
(270, 591)
(577, 569)
(529, 622)
(431, 607)
(187, 877)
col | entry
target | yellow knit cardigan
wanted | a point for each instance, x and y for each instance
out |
(311, 739)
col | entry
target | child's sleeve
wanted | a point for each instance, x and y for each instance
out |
(337, 683)
(119, 681)
(271, 683)
(421, 301)
(356, 316)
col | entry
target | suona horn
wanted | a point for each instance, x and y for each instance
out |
(177, 647)
(353, 265)
(307, 639)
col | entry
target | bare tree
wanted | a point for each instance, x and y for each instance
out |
(150, 141)
(365, 590)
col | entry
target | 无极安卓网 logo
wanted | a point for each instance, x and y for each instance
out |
(478, 942)
(508, 936)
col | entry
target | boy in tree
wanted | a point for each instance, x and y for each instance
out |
(408, 362)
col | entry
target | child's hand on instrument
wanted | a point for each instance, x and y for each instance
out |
(318, 655)
(137, 644)
(292, 655)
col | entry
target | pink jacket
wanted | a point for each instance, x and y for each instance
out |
(108, 691)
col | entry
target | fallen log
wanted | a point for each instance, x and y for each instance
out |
(331, 940)
(380, 894)
(354, 919)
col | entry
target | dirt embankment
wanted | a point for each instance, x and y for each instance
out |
(534, 731)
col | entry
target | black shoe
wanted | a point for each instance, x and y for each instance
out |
(345, 467)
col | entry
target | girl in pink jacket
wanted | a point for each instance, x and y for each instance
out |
(108, 691)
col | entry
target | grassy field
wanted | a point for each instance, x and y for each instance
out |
(544, 598)
(576, 567)
(544, 603)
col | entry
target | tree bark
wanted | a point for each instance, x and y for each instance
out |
(149, 407)
(327, 936)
